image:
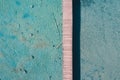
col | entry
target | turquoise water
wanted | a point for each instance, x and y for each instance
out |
(30, 39)
(100, 40)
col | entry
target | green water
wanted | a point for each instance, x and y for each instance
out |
(100, 40)
(30, 39)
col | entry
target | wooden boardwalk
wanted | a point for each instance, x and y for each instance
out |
(67, 39)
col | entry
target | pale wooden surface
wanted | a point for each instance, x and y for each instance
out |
(67, 39)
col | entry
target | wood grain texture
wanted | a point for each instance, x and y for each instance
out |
(67, 39)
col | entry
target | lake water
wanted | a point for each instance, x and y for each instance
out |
(30, 39)
(100, 40)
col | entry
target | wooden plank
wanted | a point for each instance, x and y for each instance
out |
(67, 39)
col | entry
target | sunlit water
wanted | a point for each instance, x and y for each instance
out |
(30, 39)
